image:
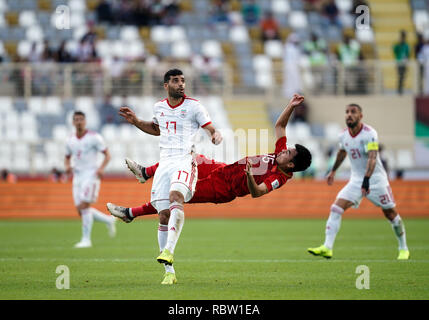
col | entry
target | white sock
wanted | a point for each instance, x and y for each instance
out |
(399, 229)
(175, 225)
(87, 221)
(333, 225)
(101, 217)
(162, 241)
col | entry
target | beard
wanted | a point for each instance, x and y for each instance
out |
(175, 94)
(352, 125)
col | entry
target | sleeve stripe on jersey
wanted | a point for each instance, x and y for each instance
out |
(206, 124)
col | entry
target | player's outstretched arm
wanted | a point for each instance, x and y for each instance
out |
(215, 135)
(283, 119)
(146, 126)
(341, 155)
(255, 189)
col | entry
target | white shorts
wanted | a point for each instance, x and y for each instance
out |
(178, 174)
(380, 194)
(85, 189)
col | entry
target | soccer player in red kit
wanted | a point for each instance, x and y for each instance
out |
(220, 183)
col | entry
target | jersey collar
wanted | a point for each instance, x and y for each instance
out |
(174, 107)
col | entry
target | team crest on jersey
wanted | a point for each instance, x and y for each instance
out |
(183, 113)
(275, 184)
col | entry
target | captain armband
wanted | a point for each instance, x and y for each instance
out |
(371, 146)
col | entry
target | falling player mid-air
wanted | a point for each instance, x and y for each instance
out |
(81, 160)
(220, 183)
(368, 179)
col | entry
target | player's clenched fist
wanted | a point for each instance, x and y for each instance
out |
(216, 138)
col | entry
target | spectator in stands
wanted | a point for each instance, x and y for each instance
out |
(47, 53)
(251, 12)
(401, 51)
(424, 60)
(219, 11)
(208, 72)
(417, 52)
(171, 12)
(8, 176)
(142, 14)
(357, 3)
(349, 53)
(292, 74)
(157, 12)
(103, 12)
(62, 55)
(316, 49)
(331, 13)
(34, 55)
(123, 11)
(269, 27)
(108, 113)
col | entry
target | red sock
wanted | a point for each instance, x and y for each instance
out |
(150, 171)
(144, 210)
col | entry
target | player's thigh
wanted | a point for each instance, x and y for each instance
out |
(352, 193)
(161, 185)
(184, 179)
(382, 197)
(89, 190)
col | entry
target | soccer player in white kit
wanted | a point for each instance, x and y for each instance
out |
(81, 160)
(176, 119)
(368, 179)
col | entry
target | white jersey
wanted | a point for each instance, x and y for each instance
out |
(83, 152)
(178, 125)
(357, 148)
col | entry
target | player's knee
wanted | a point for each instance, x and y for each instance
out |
(390, 213)
(176, 196)
(164, 216)
(337, 209)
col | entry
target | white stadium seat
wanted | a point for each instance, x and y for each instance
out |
(273, 48)
(27, 18)
(77, 5)
(344, 5)
(129, 33)
(60, 133)
(262, 62)
(181, 49)
(159, 34)
(177, 33)
(5, 104)
(211, 48)
(298, 20)
(34, 34)
(239, 34)
(280, 6)
(365, 35)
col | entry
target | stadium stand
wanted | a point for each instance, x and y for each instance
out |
(220, 42)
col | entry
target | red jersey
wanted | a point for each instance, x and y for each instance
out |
(230, 181)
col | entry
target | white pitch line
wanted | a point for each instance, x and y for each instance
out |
(208, 260)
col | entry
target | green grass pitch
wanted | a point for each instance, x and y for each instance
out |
(238, 259)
